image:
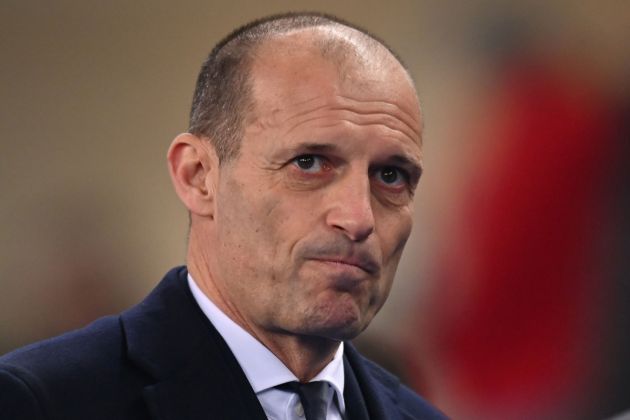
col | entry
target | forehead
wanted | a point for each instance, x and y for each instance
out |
(325, 63)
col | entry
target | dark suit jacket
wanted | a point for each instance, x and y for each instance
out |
(163, 359)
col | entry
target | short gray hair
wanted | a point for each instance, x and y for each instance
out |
(223, 93)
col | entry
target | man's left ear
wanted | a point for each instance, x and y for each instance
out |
(191, 163)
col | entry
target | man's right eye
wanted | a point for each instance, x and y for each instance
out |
(310, 163)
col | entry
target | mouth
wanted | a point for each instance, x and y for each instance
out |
(364, 264)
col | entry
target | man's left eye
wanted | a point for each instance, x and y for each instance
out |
(392, 176)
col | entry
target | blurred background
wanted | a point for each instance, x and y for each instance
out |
(513, 297)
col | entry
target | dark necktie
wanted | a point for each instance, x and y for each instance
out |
(313, 397)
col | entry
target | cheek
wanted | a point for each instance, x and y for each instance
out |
(244, 225)
(264, 221)
(394, 230)
(287, 217)
(268, 229)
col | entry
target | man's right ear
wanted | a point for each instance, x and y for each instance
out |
(191, 163)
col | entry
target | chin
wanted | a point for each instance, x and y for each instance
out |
(346, 334)
(338, 332)
(340, 322)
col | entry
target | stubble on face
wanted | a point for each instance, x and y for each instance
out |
(277, 259)
(272, 256)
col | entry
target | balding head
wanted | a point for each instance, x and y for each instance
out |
(223, 98)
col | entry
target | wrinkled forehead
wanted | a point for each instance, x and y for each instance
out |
(295, 66)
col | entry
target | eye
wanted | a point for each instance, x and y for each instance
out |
(309, 163)
(392, 176)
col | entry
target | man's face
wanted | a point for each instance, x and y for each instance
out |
(312, 216)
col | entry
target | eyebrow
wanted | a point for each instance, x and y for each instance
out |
(318, 147)
(412, 165)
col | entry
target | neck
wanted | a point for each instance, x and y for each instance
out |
(304, 356)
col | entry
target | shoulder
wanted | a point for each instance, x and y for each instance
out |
(64, 371)
(90, 345)
(17, 399)
(409, 403)
(90, 373)
(408, 400)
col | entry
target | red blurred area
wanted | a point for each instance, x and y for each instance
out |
(516, 312)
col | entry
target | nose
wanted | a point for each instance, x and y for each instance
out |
(350, 209)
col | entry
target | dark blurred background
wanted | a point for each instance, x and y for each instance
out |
(513, 296)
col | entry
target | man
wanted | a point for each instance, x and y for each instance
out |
(298, 171)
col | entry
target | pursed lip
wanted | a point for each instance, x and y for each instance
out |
(365, 263)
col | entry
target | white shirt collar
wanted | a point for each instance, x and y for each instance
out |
(262, 368)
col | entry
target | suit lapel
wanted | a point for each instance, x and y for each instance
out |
(201, 396)
(377, 389)
(195, 375)
(356, 409)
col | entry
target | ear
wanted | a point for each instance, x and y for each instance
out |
(191, 163)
